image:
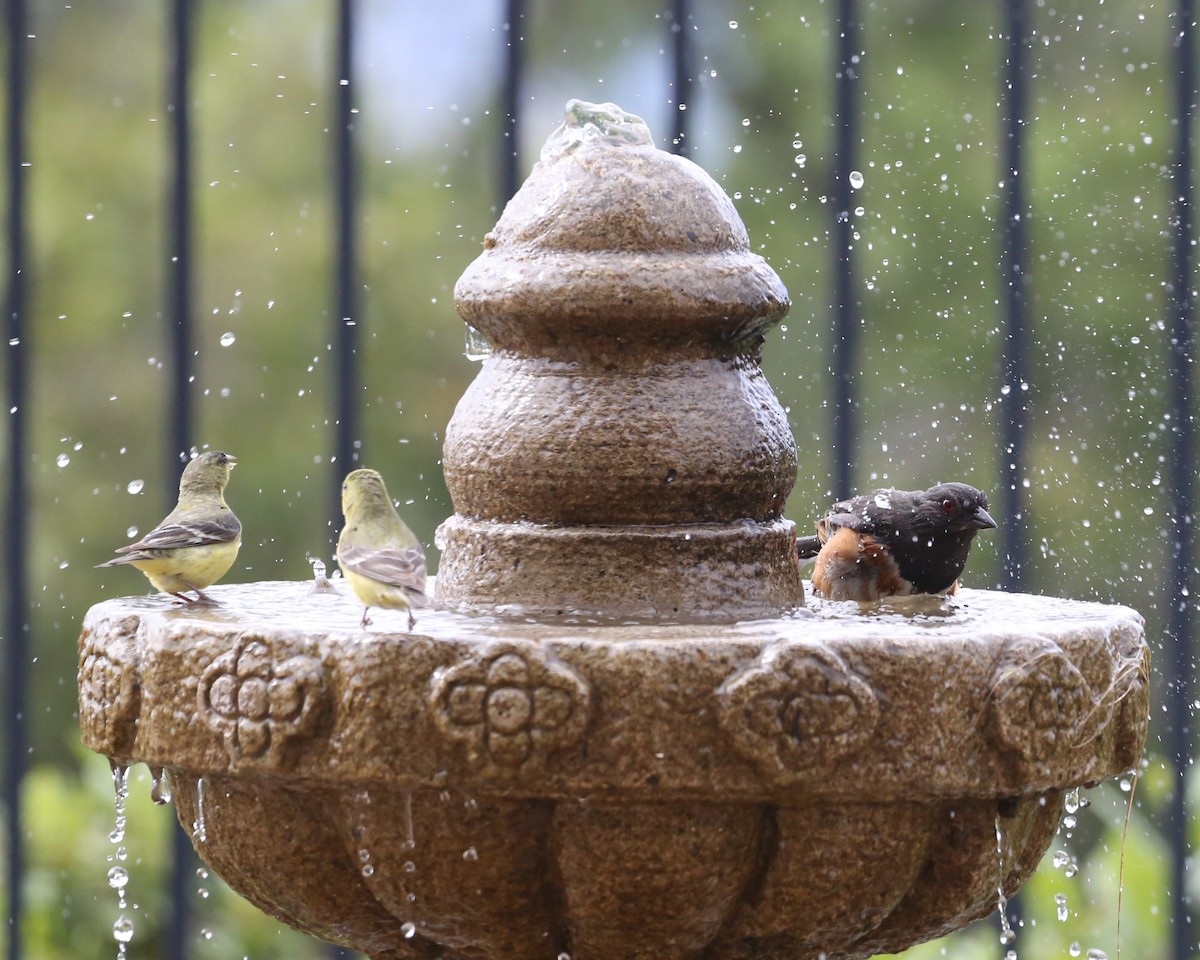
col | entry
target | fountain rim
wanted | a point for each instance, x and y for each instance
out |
(764, 711)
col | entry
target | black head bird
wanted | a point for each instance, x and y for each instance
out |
(896, 542)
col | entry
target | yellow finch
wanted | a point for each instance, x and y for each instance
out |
(380, 557)
(197, 542)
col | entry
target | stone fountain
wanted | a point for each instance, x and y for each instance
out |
(625, 733)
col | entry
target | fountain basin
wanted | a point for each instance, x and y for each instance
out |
(830, 782)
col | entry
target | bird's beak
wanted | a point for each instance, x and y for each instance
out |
(982, 519)
(231, 460)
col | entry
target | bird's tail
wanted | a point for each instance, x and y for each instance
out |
(808, 547)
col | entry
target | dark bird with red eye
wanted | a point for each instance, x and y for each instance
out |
(896, 542)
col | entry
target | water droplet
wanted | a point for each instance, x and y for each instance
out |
(202, 893)
(228, 339)
(131, 532)
(135, 486)
(408, 929)
(470, 854)
(733, 24)
(368, 870)
(63, 459)
(1096, 954)
(477, 347)
(410, 867)
(1060, 901)
(801, 160)
(118, 877)
(123, 929)
(1075, 949)
(856, 179)
(160, 785)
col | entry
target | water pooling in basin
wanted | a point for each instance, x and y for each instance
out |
(293, 605)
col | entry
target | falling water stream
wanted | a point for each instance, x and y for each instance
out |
(118, 875)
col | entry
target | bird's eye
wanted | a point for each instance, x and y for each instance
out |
(948, 506)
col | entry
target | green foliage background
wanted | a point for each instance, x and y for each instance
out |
(927, 372)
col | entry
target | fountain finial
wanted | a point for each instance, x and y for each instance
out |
(621, 452)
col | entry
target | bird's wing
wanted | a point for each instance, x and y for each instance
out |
(404, 567)
(875, 513)
(198, 532)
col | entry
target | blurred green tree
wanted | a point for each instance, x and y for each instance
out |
(427, 134)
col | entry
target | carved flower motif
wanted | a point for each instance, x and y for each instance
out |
(256, 704)
(511, 705)
(799, 707)
(109, 696)
(1041, 705)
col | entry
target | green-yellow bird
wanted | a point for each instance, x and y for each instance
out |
(381, 559)
(198, 541)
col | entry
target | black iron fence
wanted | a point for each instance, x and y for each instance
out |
(849, 59)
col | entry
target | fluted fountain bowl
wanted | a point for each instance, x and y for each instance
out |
(838, 782)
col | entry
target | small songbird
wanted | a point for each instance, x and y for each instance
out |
(896, 542)
(198, 541)
(380, 557)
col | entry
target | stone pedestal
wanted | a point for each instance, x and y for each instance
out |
(620, 453)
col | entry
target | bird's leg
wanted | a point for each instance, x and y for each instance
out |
(412, 621)
(366, 621)
(201, 596)
(186, 601)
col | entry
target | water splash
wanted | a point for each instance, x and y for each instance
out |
(596, 122)
(320, 582)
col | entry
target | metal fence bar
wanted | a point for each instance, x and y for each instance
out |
(1179, 663)
(180, 411)
(16, 622)
(510, 100)
(847, 320)
(679, 18)
(1014, 285)
(345, 306)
